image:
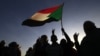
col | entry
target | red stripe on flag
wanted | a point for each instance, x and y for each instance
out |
(49, 10)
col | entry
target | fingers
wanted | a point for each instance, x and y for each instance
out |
(76, 36)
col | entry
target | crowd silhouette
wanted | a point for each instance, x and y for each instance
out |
(89, 45)
(12, 49)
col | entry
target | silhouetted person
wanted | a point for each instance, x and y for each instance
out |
(64, 46)
(44, 40)
(90, 44)
(2, 43)
(68, 49)
(40, 46)
(44, 44)
(14, 49)
(29, 52)
(37, 48)
(2, 48)
(54, 49)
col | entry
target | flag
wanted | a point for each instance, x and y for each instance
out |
(44, 16)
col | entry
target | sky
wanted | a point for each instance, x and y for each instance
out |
(14, 12)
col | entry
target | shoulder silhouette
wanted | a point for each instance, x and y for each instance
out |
(90, 43)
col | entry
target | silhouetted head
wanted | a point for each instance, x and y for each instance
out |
(63, 42)
(38, 40)
(53, 38)
(2, 43)
(13, 44)
(44, 38)
(29, 50)
(88, 26)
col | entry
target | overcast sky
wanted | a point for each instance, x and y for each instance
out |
(14, 12)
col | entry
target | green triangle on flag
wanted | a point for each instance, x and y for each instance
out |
(57, 14)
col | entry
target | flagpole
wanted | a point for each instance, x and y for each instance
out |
(61, 17)
(61, 23)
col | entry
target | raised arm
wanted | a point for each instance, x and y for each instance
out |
(65, 34)
(76, 41)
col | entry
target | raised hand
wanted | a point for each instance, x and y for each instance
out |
(53, 31)
(76, 36)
